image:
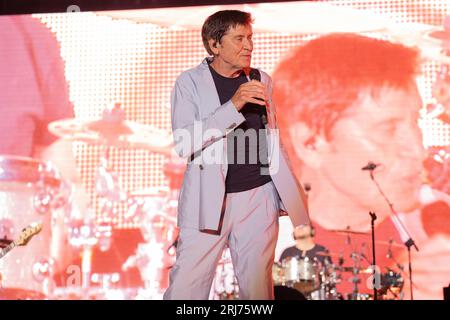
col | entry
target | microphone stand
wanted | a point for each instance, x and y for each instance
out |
(404, 235)
(373, 217)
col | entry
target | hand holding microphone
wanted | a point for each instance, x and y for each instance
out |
(249, 92)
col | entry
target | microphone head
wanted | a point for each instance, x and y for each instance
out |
(307, 186)
(255, 74)
(370, 166)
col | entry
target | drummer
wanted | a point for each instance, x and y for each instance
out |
(305, 246)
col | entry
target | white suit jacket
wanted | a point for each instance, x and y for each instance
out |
(196, 110)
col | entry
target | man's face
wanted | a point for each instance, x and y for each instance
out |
(302, 232)
(383, 130)
(235, 48)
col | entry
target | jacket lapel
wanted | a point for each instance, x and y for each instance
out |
(212, 99)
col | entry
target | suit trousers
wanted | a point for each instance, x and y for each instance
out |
(250, 229)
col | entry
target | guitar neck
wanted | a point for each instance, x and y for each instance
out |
(7, 249)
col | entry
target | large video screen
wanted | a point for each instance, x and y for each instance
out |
(86, 143)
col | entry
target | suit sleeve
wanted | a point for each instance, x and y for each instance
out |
(192, 134)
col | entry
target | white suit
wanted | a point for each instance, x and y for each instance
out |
(209, 218)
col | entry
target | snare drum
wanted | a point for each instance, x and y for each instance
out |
(30, 190)
(302, 274)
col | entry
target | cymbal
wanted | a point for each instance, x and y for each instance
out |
(120, 134)
(429, 39)
(348, 231)
(444, 34)
(328, 254)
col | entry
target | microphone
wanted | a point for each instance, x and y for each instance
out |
(256, 75)
(307, 186)
(370, 166)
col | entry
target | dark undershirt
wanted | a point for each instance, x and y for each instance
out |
(243, 175)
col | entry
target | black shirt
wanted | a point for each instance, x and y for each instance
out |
(244, 160)
(299, 254)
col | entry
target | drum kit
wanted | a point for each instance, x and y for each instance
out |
(318, 278)
(32, 190)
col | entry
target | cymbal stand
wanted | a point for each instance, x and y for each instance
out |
(373, 217)
(355, 272)
(403, 232)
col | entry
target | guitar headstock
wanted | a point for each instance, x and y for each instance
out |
(27, 233)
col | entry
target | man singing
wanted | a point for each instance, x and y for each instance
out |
(232, 192)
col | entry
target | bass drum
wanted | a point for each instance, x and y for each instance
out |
(287, 293)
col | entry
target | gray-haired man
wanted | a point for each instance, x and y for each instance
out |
(225, 201)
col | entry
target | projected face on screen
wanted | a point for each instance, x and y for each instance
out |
(342, 103)
(382, 129)
(344, 100)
